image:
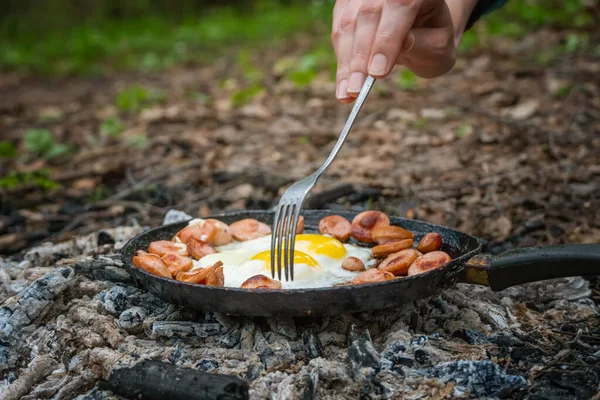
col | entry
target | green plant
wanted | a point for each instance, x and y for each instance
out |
(7, 149)
(406, 79)
(136, 97)
(138, 141)
(41, 142)
(420, 123)
(39, 178)
(111, 127)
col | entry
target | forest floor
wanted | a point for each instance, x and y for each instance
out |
(505, 147)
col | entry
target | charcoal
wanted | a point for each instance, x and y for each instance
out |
(184, 329)
(104, 267)
(231, 338)
(105, 238)
(312, 344)
(115, 300)
(176, 354)
(155, 380)
(247, 335)
(207, 365)
(469, 336)
(364, 360)
(275, 356)
(480, 378)
(132, 319)
(283, 326)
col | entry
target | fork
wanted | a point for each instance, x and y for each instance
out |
(288, 209)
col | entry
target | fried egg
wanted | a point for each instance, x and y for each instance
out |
(317, 261)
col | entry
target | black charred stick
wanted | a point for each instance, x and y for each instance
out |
(156, 380)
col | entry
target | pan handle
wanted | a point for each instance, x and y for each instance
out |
(533, 264)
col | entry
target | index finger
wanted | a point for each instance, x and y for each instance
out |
(397, 18)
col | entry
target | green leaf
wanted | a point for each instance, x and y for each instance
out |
(406, 79)
(112, 127)
(7, 149)
(38, 141)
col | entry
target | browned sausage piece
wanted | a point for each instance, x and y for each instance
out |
(206, 233)
(176, 263)
(430, 242)
(222, 236)
(429, 261)
(198, 249)
(152, 264)
(353, 264)
(260, 282)
(372, 275)
(398, 263)
(364, 224)
(336, 226)
(248, 229)
(387, 248)
(384, 234)
(215, 276)
(162, 247)
(299, 226)
(198, 275)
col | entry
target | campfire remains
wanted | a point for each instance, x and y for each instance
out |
(74, 325)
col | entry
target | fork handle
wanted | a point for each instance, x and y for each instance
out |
(362, 96)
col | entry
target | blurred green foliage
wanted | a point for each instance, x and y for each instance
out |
(91, 37)
(7, 149)
(136, 97)
(41, 142)
(39, 178)
(112, 127)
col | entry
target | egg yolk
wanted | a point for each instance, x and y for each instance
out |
(299, 258)
(319, 244)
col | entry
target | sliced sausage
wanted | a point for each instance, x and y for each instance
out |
(222, 235)
(198, 249)
(176, 263)
(162, 247)
(336, 226)
(399, 263)
(198, 275)
(364, 224)
(249, 229)
(205, 233)
(388, 233)
(152, 264)
(429, 261)
(387, 248)
(261, 282)
(353, 264)
(372, 275)
(215, 276)
(430, 242)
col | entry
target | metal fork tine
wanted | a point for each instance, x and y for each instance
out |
(280, 233)
(293, 245)
(289, 238)
(274, 237)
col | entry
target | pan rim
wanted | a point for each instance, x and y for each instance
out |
(459, 260)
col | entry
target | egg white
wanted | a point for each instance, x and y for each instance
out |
(238, 265)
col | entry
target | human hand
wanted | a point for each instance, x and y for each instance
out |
(372, 36)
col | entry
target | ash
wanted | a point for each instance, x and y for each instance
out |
(71, 316)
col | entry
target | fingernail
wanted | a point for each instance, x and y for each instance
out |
(378, 64)
(341, 94)
(356, 81)
(409, 42)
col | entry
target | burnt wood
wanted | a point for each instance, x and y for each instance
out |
(154, 380)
